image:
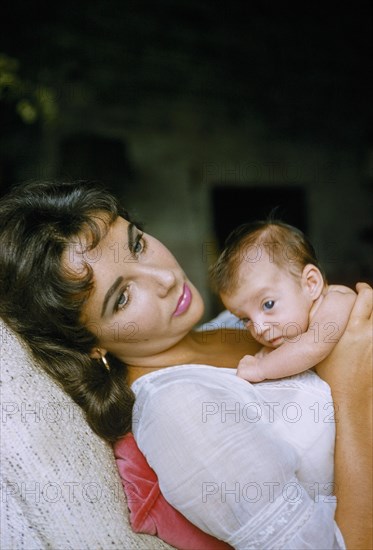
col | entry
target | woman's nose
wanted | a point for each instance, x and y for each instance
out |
(164, 280)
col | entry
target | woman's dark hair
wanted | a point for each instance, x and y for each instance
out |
(42, 301)
(287, 246)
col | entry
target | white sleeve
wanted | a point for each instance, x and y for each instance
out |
(223, 469)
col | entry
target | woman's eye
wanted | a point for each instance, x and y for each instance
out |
(122, 300)
(268, 305)
(138, 245)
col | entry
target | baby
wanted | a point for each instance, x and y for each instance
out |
(268, 276)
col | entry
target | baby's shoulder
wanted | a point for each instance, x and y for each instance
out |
(339, 289)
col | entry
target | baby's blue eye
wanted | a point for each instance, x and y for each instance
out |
(269, 304)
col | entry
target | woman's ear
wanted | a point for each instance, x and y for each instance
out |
(312, 281)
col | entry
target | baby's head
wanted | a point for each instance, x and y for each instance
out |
(268, 275)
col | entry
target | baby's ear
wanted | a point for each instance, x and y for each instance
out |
(312, 281)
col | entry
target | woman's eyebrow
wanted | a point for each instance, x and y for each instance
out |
(131, 235)
(131, 228)
(109, 293)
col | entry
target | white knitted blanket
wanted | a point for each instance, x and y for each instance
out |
(59, 485)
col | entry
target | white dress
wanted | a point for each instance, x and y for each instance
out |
(251, 464)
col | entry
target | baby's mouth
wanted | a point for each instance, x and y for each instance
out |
(275, 341)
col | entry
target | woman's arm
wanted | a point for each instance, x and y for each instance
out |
(348, 371)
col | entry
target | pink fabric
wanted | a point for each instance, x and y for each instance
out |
(149, 511)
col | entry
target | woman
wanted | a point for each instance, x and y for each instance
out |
(91, 293)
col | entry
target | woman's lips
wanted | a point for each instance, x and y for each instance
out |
(184, 301)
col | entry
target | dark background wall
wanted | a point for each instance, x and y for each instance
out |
(200, 115)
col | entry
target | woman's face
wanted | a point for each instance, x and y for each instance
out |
(142, 302)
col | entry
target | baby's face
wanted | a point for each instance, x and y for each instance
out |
(273, 303)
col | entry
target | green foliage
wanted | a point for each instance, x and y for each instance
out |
(32, 101)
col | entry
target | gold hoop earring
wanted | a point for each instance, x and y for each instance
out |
(104, 360)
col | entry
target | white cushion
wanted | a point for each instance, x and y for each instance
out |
(60, 487)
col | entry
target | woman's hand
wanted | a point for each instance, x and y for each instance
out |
(349, 372)
(348, 369)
